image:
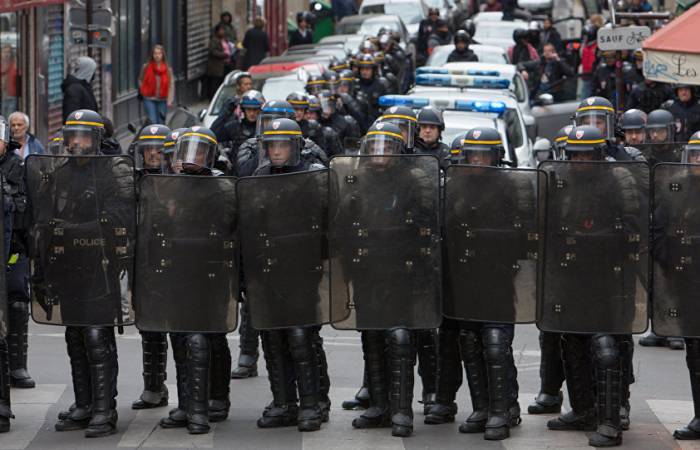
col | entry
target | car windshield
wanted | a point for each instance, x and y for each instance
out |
(372, 27)
(225, 93)
(485, 55)
(281, 87)
(497, 30)
(408, 11)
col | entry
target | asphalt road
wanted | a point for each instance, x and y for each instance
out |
(660, 403)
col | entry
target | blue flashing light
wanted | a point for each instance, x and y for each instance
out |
(456, 71)
(431, 70)
(278, 110)
(386, 101)
(480, 106)
(466, 81)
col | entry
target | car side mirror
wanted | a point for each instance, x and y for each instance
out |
(544, 99)
(201, 114)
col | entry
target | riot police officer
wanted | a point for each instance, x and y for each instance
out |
(486, 348)
(345, 126)
(370, 86)
(289, 350)
(608, 355)
(315, 84)
(685, 109)
(150, 159)
(599, 112)
(389, 354)
(462, 52)
(349, 104)
(430, 128)
(560, 140)
(404, 118)
(323, 136)
(92, 350)
(5, 411)
(202, 360)
(691, 155)
(232, 131)
(633, 123)
(660, 147)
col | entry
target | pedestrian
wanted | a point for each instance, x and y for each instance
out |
(550, 35)
(256, 44)
(425, 29)
(226, 21)
(156, 86)
(552, 70)
(588, 59)
(28, 143)
(686, 111)
(441, 35)
(77, 89)
(220, 63)
(303, 34)
(8, 80)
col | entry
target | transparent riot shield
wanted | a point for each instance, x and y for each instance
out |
(81, 251)
(4, 250)
(491, 241)
(596, 262)
(676, 250)
(284, 249)
(384, 242)
(661, 153)
(186, 264)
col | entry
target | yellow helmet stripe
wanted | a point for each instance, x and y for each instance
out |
(283, 132)
(602, 108)
(562, 138)
(80, 122)
(399, 116)
(200, 135)
(584, 142)
(151, 136)
(299, 102)
(469, 141)
(316, 82)
(694, 141)
(385, 133)
(169, 144)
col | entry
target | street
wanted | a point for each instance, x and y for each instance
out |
(660, 403)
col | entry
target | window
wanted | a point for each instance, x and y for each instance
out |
(514, 128)
(519, 88)
(126, 63)
(10, 89)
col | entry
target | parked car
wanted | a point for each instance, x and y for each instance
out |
(411, 12)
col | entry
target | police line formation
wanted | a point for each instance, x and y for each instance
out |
(432, 252)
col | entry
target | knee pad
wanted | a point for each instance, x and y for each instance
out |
(18, 308)
(401, 343)
(496, 342)
(300, 343)
(98, 344)
(606, 351)
(197, 348)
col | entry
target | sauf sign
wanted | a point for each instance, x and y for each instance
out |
(622, 38)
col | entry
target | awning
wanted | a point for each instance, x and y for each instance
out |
(14, 5)
(672, 54)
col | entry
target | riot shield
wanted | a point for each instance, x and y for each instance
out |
(491, 243)
(676, 250)
(596, 264)
(186, 260)
(83, 211)
(4, 243)
(661, 153)
(384, 242)
(284, 249)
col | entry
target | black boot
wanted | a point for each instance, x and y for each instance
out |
(283, 411)
(198, 360)
(449, 375)
(5, 411)
(497, 355)
(247, 366)
(17, 343)
(324, 379)
(550, 397)
(652, 340)
(177, 417)
(374, 349)
(102, 355)
(219, 379)
(361, 399)
(78, 415)
(303, 352)
(155, 360)
(402, 359)
(692, 359)
(608, 378)
(426, 342)
(473, 357)
(626, 354)
(579, 383)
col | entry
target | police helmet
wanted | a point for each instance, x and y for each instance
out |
(405, 119)
(314, 84)
(479, 141)
(332, 79)
(462, 36)
(274, 109)
(196, 149)
(429, 115)
(252, 100)
(560, 140)
(660, 127)
(383, 138)
(150, 145)
(347, 79)
(281, 143)
(587, 141)
(633, 119)
(83, 132)
(597, 112)
(691, 151)
(299, 101)
(328, 102)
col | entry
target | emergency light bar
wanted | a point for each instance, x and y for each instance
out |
(386, 101)
(478, 106)
(462, 81)
(455, 71)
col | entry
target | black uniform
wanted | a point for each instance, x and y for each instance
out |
(462, 56)
(649, 96)
(687, 116)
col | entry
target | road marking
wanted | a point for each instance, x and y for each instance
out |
(674, 414)
(29, 407)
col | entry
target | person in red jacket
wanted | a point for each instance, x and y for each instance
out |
(157, 86)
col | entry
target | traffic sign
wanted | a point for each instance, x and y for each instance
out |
(622, 38)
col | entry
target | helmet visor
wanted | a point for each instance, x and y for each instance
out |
(407, 126)
(265, 117)
(601, 119)
(280, 151)
(149, 154)
(327, 105)
(381, 144)
(195, 152)
(81, 140)
(660, 134)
